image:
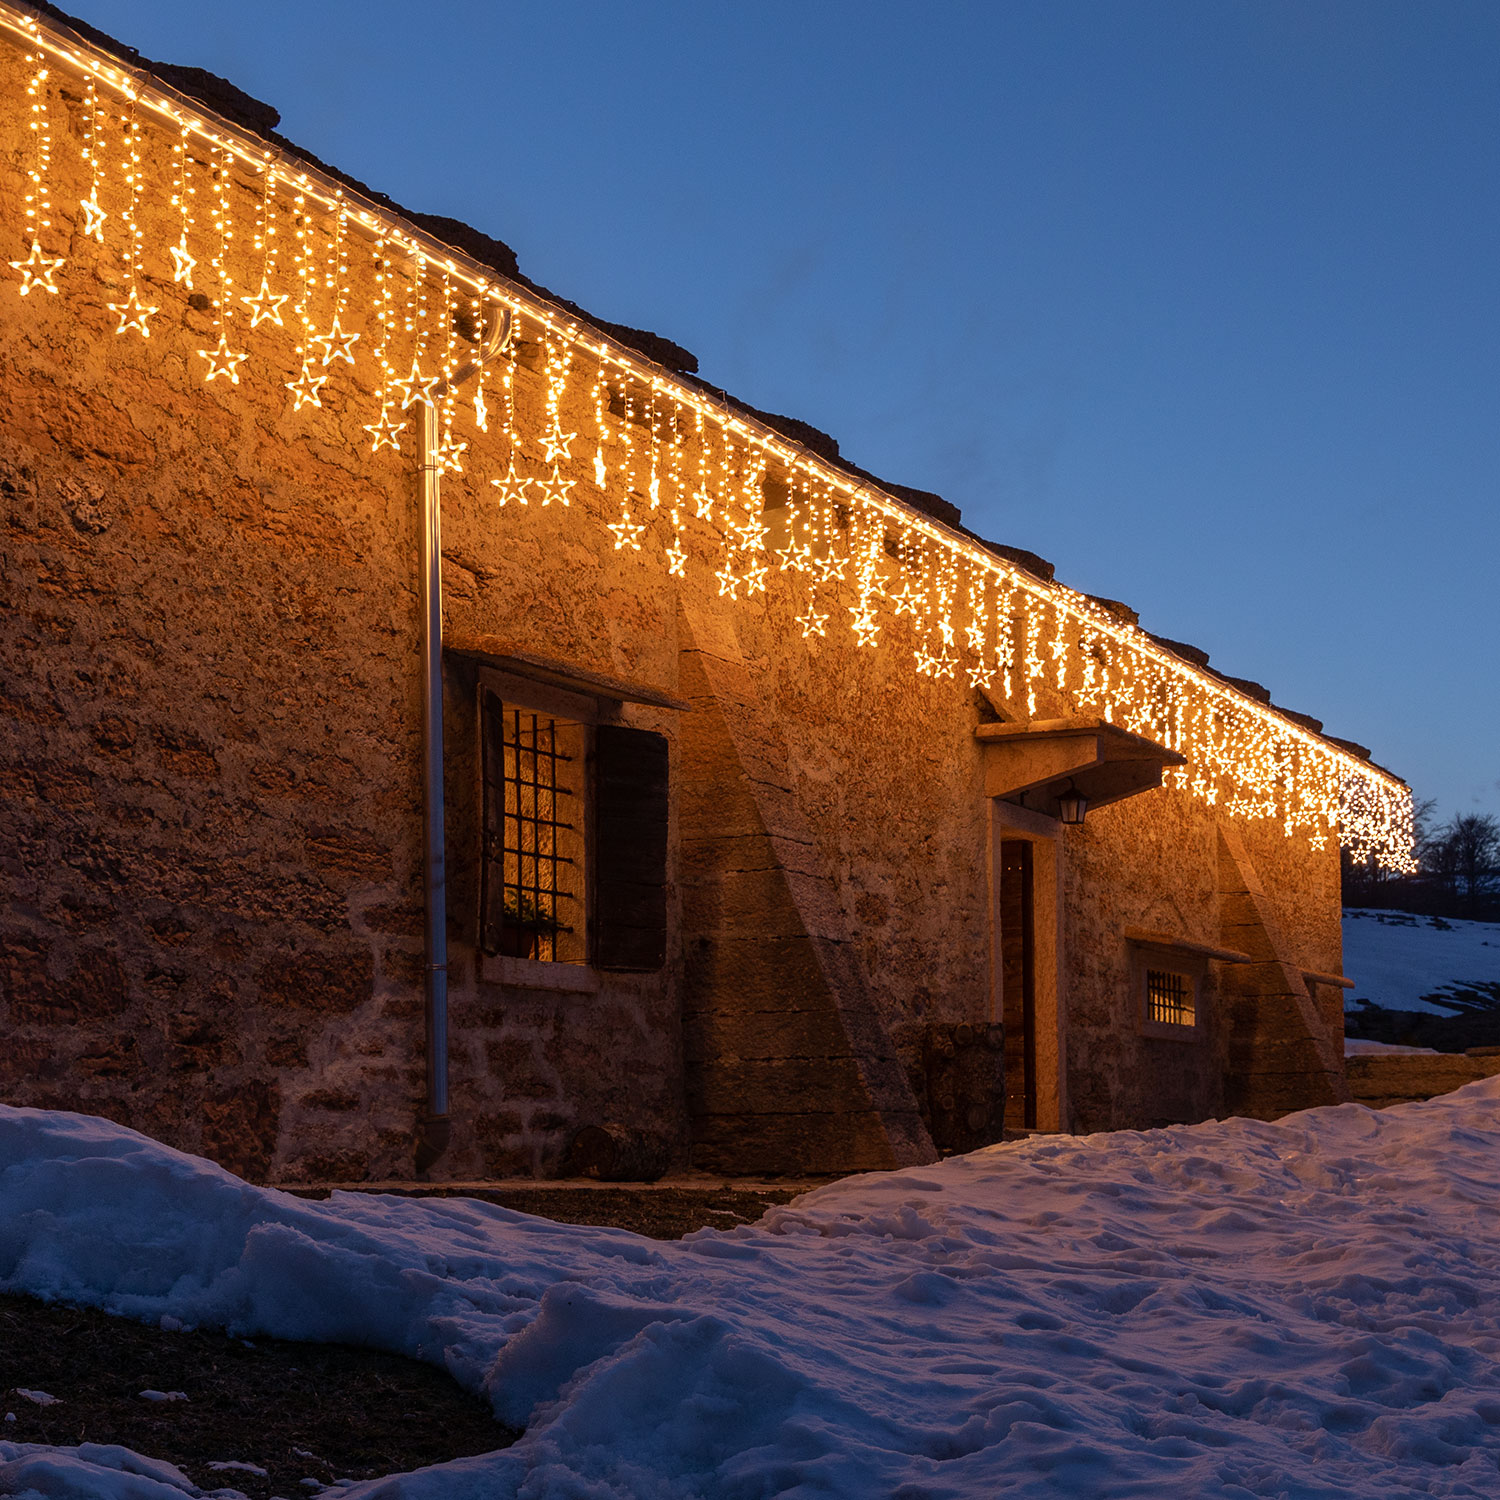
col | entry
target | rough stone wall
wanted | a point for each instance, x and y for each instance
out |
(209, 842)
(889, 777)
(1381, 1080)
(211, 917)
(788, 1065)
(1147, 863)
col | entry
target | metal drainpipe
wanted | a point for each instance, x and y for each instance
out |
(436, 1127)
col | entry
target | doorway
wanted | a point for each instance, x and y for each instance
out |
(1018, 981)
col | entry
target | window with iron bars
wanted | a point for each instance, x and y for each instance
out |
(532, 874)
(1170, 998)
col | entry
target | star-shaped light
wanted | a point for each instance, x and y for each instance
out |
(830, 568)
(511, 487)
(557, 488)
(753, 535)
(812, 623)
(627, 533)
(182, 264)
(925, 663)
(306, 386)
(943, 665)
(450, 454)
(558, 444)
(481, 410)
(729, 582)
(703, 505)
(417, 386)
(385, 431)
(601, 471)
(865, 625)
(37, 270)
(133, 313)
(265, 304)
(339, 345)
(222, 361)
(755, 578)
(974, 635)
(676, 561)
(981, 674)
(93, 219)
(796, 557)
(906, 600)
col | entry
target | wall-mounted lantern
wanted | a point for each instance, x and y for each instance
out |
(1072, 805)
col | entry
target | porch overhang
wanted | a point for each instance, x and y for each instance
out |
(1032, 765)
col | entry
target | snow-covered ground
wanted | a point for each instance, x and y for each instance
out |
(1394, 958)
(1309, 1308)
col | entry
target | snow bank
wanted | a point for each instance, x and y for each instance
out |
(1310, 1308)
(1395, 958)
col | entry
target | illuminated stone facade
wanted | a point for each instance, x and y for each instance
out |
(210, 839)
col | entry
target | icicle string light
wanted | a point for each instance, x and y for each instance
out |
(93, 153)
(132, 312)
(38, 269)
(183, 192)
(385, 431)
(222, 360)
(968, 607)
(264, 304)
(309, 383)
(337, 343)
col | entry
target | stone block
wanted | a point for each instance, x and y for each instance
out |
(742, 903)
(731, 1033)
(240, 1128)
(753, 973)
(331, 983)
(777, 1086)
(799, 1145)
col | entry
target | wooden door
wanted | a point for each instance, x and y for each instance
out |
(1018, 982)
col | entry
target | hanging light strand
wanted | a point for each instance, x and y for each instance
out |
(1039, 636)
(38, 269)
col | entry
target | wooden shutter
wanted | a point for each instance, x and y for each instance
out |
(492, 823)
(630, 849)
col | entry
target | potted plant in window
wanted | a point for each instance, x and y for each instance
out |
(522, 925)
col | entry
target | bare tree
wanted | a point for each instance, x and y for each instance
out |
(1472, 843)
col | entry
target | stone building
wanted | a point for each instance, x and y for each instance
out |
(787, 825)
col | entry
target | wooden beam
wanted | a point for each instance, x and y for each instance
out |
(1314, 977)
(507, 657)
(1143, 939)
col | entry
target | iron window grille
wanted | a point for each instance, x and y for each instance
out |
(532, 871)
(1170, 998)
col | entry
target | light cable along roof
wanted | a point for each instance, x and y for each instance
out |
(707, 482)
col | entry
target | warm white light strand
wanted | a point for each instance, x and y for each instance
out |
(1269, 766)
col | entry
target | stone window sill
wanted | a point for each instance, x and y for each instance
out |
(1162, 1031)
(530, 974)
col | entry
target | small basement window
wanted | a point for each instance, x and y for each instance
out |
(1171, 997)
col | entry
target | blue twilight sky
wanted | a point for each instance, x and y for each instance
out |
(1199, 299)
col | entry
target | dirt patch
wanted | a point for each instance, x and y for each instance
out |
(298, 1411)
(661, 1213)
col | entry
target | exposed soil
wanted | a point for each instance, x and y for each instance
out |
(661, 1213)
(299, 1411)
